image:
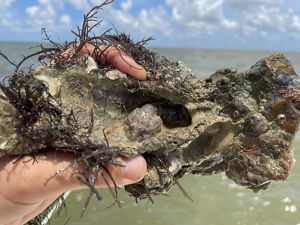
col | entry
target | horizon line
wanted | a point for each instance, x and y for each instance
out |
(172, 47)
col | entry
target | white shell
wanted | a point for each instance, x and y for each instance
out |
(91, 64)
(53, 84)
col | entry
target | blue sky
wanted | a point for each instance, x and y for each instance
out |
(229, 24)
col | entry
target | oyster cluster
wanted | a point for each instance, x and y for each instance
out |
(242, 124)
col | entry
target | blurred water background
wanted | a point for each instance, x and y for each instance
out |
(217, 200)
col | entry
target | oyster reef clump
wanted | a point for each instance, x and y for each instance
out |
(242, 124)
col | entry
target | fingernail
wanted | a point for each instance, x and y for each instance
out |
(135, 169)
(136, 69)
(141, 74)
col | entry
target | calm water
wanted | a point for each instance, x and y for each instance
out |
(217, 200)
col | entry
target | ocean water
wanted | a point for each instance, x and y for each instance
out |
(216, 200)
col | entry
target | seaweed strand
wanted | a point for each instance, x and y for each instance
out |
(185, 194)
(7, 59)
(84, 31)
(43, 51)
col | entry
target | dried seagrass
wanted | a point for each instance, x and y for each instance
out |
(242, 124)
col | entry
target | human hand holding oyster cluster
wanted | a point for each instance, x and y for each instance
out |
(242, 124)
(25, 189)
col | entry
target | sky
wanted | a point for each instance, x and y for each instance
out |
(227, 24)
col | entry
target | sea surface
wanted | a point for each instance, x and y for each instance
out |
(216, 199)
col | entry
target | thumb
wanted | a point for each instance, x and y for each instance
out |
(51, 175)
(131, 170)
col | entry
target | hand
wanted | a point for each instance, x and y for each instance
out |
(25, 187)
(26, 190)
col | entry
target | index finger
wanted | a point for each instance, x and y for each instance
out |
(110, 55)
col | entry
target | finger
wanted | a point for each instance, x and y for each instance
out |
(121, 61)
(110, 56)
(132, 170)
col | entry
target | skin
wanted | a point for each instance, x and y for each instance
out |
(25, 186)
(110, 56)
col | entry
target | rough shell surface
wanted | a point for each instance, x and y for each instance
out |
(242, 124)
(143, 123)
